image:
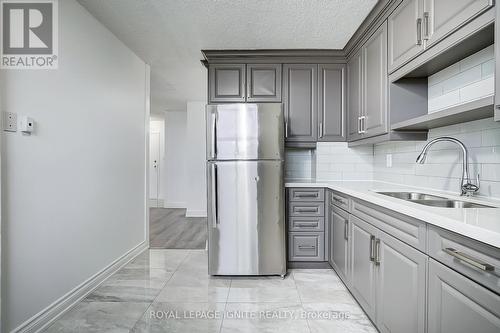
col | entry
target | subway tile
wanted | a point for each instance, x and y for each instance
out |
(444, 101)
(490, 189)
(462, 79)
(444, 74)
(435, 90)
(491, 137)
(479, 125)
(490, 172)
(443, 131)
(488, 69)
(477, 58)
(478, 90)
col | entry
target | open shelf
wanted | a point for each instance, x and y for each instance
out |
(474, 110)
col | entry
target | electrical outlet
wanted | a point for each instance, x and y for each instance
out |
(388, 160)
(10, 121)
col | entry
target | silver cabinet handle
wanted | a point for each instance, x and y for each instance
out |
(307, 195)
(377, 252)
(304, 225)
(359, 125)
(215, 203)
(426, 25)
(307, 247)
(469, 259)
(214, 135)
(340, 201)
(372, 248)
(320, 129)
(346, 229)
(306, 210)
(419, 31)
(286, 129)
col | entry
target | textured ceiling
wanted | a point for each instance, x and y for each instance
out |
(169, 34)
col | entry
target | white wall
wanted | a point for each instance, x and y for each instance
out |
(196, 160)
(74, 191)
(175, 180)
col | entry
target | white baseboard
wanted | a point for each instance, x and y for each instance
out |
(175, 204)
(48, 315)
(156, 202)
(196, 213)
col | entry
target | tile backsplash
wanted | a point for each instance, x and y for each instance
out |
(464, 81)
(442, 170)
(299, 163)
(335, 161)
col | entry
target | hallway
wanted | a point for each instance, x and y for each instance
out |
(169, 228)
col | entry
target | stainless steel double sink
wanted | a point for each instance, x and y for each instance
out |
(433, 200)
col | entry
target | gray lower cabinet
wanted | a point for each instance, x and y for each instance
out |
(401, 286)
(459, 305)
(405, 33)
(339, 241)
(362, 265)
(306, 246)
(331, 103)
(497, 63)
(441, 17)
(354, 111)
(300, 84)
(263, 83)
(226, 83)
(374, 120)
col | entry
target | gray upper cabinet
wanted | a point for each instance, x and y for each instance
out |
(339, 241)
(374, 55)
(354, 86)
(264, 83)
(300, 84)
(497, 63)
(362, 266)
(401, 284)
(459, 305)
(405, 33)
(226, 83)
(441, 17)
(331, 103)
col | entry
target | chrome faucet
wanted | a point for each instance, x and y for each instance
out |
(466, 187)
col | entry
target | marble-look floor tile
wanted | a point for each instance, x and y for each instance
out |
(187, 279)
(181, 318)
(89, 317)
(322, 276)
(201, 294)
(168, 260)
(319, 294)
(195, 263)
(263, 289)
(345, 316)
(142, 274)
(120, 293)
(264, 317)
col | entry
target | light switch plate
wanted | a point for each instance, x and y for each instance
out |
(10, 121)
(388, 160)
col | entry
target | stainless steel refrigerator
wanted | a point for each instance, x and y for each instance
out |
(245, 161)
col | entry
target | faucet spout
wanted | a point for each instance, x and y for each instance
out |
(466, 186)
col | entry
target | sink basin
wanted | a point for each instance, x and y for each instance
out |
(450, 204)
(433, 200)
(412, 196)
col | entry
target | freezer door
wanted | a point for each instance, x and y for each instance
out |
(246, 226)
(245, 131)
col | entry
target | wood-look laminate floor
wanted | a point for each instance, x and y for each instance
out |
(169, 228)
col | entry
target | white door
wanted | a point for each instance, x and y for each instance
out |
(154, 169)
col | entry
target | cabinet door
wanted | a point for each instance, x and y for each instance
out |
(497, 63)
(331, 111)
(306, 246)
(459, 305)
(405, 33)
(226, 83)
(362, 266)
(375, 77)
(354, 96)
(339, 235)
(300, 101)
(264, 83)
(442, 17)
(400, 286)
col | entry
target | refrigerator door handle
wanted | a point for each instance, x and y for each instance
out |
(215, 203)
(214, 135)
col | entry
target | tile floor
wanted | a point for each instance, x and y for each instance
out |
(169, 291)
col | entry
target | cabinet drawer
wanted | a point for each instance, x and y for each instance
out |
(306, 246)
(405, 228)
(312, 209)
(306, 194)
(339, 200)
(306, 223)
(477, 261)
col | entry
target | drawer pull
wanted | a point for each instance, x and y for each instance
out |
(346, 230)
(307, 210)
(377, 252)
(304, 225)
(468, 259)
(307, 195)
(372, 248)
(309, 247)
(340, 201)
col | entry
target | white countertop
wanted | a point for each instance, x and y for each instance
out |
(482, 224)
